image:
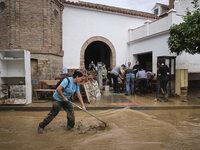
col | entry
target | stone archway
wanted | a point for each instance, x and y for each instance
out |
(101, 39)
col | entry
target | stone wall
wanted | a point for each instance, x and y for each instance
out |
(47, 67)
(4, 24)
(34, 25)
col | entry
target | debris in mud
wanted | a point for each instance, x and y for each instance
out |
(185, 101)
(83, 127)
(160, 100)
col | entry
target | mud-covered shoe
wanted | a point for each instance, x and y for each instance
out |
(157, 100)
(70, 128)
(40, 130)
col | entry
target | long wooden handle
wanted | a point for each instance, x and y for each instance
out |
(88, 112)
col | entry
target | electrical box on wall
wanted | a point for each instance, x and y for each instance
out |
(15, 77)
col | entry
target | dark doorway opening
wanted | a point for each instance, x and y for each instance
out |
(98, 52)
(145, 61)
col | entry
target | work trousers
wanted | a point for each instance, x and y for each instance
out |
(115, 83)
(57, 105)
(130, 80)
(158, 88)
(142, 85)
(163, 84)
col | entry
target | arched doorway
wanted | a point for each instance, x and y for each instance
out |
(98, 49)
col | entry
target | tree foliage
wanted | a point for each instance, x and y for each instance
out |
(185, 37)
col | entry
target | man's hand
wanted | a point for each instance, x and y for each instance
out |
(83, 108)
(65, 99)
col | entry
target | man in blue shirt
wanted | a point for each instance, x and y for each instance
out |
(61, 96)
(142, 77)
(130, 76)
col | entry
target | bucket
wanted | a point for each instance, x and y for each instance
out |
(106, 87)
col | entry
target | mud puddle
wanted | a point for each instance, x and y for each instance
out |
(127, 129)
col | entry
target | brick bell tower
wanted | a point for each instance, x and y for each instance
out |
(34, 25)
(171, 4)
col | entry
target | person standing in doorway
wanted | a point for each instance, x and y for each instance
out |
(116, 72)
(61, 97)
(130, 76)
(162, 73)
(92, 66)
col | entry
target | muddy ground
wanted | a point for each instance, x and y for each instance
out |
(127, 130)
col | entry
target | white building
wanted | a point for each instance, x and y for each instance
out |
(97, 32)
(149, 41)
(115, 35)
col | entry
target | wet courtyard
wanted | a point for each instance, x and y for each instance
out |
(127, 129)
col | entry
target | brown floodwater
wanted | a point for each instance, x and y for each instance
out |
(127, 130)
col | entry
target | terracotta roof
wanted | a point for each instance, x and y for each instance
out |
(163, 15)
(112, 9)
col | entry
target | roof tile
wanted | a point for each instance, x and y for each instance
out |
(113, 9)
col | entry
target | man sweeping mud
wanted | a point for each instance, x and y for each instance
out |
(61, 97)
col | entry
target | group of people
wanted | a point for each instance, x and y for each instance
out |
(130, 73)
(137, 77)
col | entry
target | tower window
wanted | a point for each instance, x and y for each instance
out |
(2, 6)
(56, 14)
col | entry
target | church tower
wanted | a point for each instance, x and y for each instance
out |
(34, 25)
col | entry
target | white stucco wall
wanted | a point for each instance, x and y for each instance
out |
(190, 62)
(159, 47)
(155, 37)
(81, 24)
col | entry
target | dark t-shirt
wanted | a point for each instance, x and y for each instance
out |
(136, 67)
(163, 70)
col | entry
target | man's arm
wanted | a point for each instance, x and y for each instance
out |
(121, 77)
(81, 101)
(59, 90)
